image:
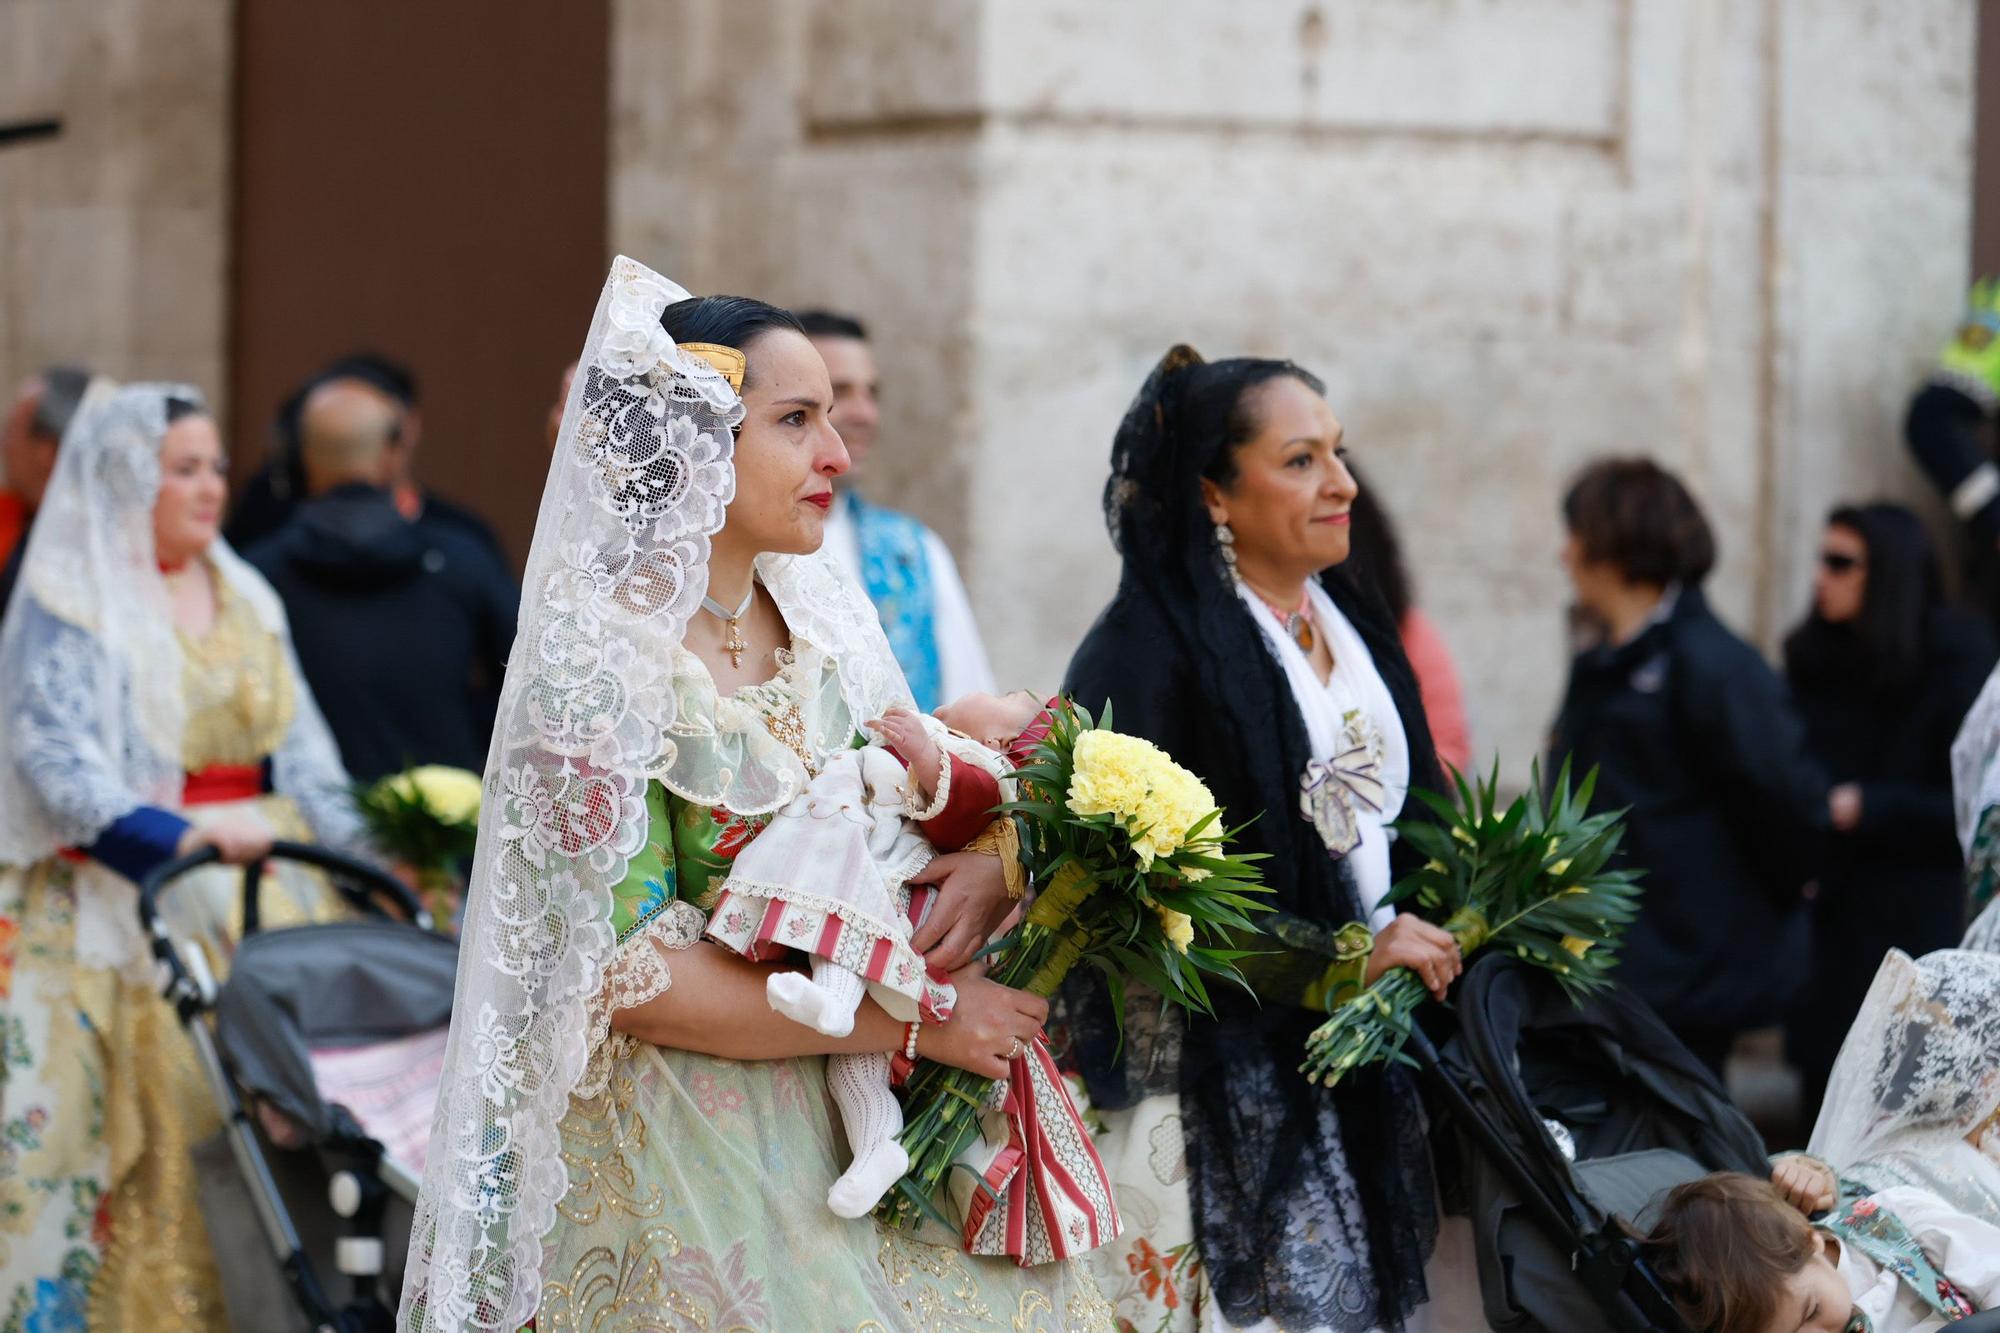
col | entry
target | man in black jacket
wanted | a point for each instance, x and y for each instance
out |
(1695, 736)
(275, 490)
(402, 627)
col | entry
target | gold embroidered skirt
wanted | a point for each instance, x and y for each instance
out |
(698, 1191)
(101, 1098)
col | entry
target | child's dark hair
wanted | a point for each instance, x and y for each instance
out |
(1723, 1247)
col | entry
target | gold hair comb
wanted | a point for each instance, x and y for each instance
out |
(727, 360)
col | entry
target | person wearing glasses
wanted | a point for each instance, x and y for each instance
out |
(1882, 673)
(1694, 737)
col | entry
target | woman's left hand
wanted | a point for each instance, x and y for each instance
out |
(972, 901)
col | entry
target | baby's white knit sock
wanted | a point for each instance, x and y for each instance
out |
(869, 1110)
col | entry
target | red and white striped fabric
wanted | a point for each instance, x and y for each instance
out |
(828, 878)
(1042, 1194)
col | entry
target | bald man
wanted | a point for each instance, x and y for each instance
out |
(402, 627)
(346, 431)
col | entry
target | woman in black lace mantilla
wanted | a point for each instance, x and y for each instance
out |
(1238, 643)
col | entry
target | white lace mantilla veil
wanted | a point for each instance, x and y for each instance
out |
(1975, 788)
(91, 705)
(589, 715)
(1918, 1073)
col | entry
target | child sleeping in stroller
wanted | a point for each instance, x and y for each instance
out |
(829, 879)
(1905, 1236)
(1739, 1256)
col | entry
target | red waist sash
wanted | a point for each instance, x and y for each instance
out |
(223, 782)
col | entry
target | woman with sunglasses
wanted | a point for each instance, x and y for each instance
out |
(1695, 739)
(1882, 673)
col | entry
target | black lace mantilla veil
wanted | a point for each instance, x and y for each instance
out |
(1312, 1206)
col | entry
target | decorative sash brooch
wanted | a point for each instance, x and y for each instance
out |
(1333, 792)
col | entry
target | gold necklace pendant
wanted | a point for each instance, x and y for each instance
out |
(1302, 633)
(733, 643)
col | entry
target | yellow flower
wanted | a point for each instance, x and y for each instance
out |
(1577, 947)
(1134, 780)
(1560, 868)
(1458, 831)
(1178, 927)
(451, 794)
(1438, 866)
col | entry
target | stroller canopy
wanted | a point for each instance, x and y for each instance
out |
(346, 984)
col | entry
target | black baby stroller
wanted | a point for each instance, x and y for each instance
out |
(1562, 1120)
(352, 1008)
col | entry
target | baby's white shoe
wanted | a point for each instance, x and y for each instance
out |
(873, 1175)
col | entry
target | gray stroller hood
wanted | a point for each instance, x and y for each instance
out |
(345, 984)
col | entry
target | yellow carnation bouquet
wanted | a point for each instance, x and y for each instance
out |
(1540, 879)
(1135, 879)
(426, 818)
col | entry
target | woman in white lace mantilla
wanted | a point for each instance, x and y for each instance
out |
(627, 1129)
(150, 703)
(1914, 1099)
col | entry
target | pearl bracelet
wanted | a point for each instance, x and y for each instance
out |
(910, 1042)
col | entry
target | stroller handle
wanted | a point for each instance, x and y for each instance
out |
(359, 881)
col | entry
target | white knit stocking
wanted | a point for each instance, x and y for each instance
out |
(869, 1110)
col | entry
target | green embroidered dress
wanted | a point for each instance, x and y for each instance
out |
(697, 1194)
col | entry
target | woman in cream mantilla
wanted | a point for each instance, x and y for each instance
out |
(629, 1134)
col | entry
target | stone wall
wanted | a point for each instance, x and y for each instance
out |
(114, 237)
(1511, 237)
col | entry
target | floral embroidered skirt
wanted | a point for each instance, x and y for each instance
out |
(698, 1199)
(101, 1100)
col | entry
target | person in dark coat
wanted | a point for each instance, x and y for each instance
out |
(1883, 674)
(1694, 736)
(275, 491)
(1949, 430)
(402, 628)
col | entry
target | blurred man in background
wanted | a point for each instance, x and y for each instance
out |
(270, 496)
(34, 426)
(906, 568)
(402, 626)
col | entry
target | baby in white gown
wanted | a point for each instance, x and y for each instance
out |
(830, 878)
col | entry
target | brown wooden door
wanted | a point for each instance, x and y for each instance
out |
(427, 181)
